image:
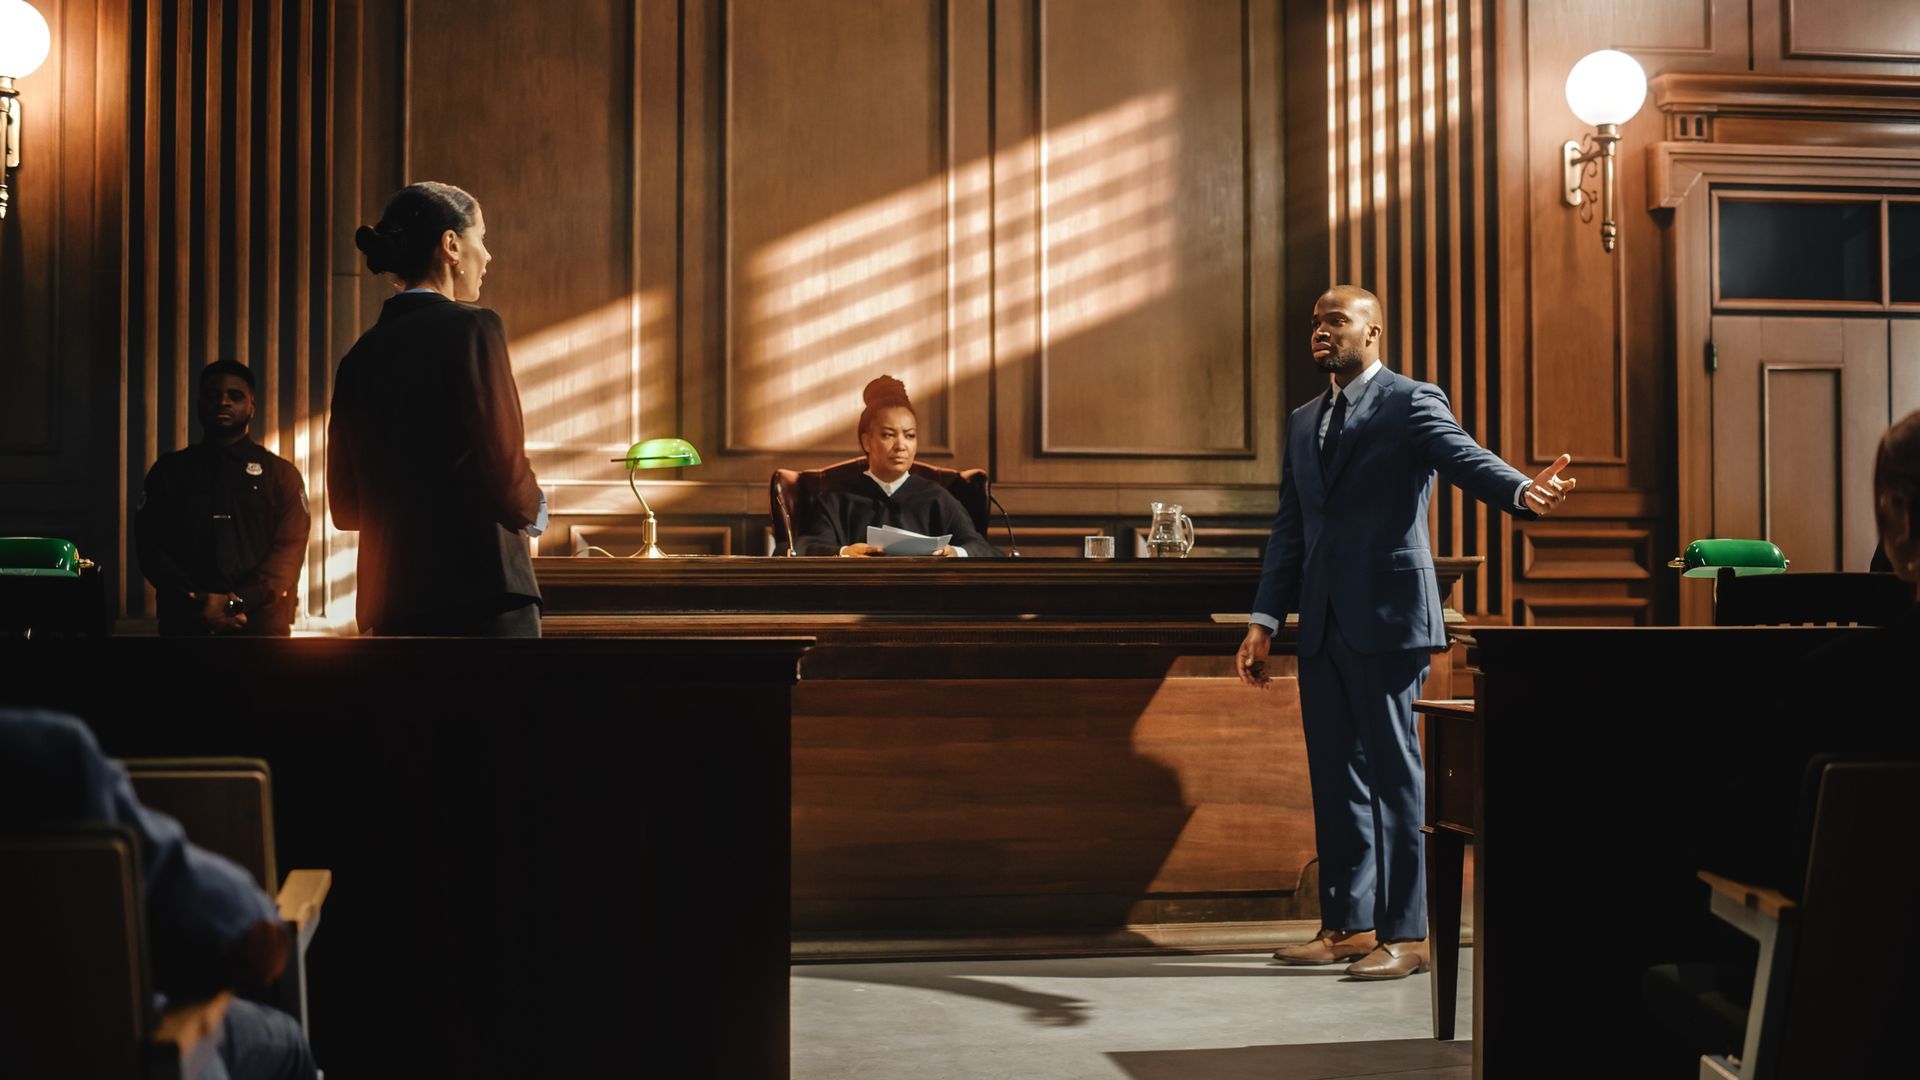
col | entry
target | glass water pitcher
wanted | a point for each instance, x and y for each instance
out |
(1172, 534)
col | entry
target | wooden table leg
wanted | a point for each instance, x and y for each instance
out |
(1446, 856)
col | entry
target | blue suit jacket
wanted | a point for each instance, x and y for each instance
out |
(198, 904)
(1355, 546)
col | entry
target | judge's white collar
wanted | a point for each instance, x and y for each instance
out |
(889, 488)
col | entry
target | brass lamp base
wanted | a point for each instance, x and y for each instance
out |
(649, 535)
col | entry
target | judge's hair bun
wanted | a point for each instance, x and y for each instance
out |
(886, 392)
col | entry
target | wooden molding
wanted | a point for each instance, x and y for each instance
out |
(1633, 549)
(950, 160)
(1790, 14)
(1249, 315)
(1675, 168)
(1704, 49)
(1544, 611)
(1812, 97)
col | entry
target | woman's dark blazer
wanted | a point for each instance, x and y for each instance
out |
(426, 457)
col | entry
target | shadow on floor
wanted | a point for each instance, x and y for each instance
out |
(1401, 1059)
(1048, 1010)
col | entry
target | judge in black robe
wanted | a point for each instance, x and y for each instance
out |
(883, 490)
(852, 499)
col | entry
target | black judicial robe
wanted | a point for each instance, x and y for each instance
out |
(426, 457)
(850, 501)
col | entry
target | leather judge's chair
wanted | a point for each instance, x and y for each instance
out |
(790, 492)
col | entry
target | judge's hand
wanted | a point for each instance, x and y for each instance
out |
(861, 551)
(1549, 489)
(1251, 664)
(944, 553)
(213, 611)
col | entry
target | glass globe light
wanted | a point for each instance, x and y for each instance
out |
(1606, 87)
(24, 39)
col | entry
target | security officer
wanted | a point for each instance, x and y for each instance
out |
(223, 527)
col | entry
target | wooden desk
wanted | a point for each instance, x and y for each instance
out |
(550, 858)
(1448, 748)
(990, 751)
(1598, 755)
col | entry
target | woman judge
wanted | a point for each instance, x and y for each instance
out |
(886, 492)
(426, 449)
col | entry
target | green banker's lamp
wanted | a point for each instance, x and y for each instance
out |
(1718, 559)
(1742, 558)
(655, 454)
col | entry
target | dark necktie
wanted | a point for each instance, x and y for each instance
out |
(1332, 442)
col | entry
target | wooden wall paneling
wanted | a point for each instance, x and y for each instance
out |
(1413, 144)
(819, 253)
(1864, 36)
(1584, 610)
(1135, 146)
(1798, 407)
(1802, 432)
(1568, 552)
(557, 198)
(1166, 787)
(1903, 368)
(231, 164)
(60, 309)
(844, 244)
(1681, 35)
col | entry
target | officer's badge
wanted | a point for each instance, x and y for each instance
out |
(254, 469)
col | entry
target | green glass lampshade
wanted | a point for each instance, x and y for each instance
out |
(660, 454)
(1706, 558)
(39, 556)
(654, 454)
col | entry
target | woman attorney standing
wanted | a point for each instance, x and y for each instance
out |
(426, 448)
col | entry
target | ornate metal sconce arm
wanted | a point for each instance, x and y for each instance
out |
(1582, 161)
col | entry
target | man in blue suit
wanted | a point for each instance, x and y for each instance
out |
(1350, 553)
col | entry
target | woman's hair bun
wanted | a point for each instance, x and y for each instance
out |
(884, 392)
(376, 246)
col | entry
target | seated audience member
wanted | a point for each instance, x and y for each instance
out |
(209, 926)
(222, 528)
(886, 492)
(1896, 500)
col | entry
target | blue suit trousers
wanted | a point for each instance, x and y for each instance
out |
(1363, 758)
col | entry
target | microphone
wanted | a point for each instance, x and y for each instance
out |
(780, 500)
(1013, 546)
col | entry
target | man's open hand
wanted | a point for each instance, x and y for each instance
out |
(1550, 489)
(1251, 663)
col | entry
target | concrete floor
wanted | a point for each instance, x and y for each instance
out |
(1215, 1017)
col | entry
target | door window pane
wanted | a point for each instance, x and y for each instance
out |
(1903, 251)
(1799, 250)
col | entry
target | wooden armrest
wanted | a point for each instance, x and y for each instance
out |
(1768, 902)
(193, 1027)
(301, 895)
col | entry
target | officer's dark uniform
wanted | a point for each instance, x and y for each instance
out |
(220, 519)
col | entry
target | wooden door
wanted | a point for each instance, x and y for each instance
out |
(1798, 407)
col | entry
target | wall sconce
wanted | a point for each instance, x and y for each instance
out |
(24, 42)
(1604, 89)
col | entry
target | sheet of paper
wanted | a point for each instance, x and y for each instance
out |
(902, 542)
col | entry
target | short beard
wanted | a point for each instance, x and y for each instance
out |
(1338, 361)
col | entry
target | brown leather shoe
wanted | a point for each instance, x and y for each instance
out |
(1328, 947)
(1392, 960)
